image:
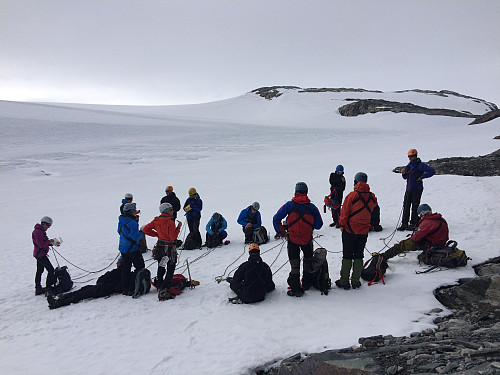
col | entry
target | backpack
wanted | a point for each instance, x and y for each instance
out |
(321, 279)
(449, 256)
(64, 282)
(213, 240)
(374, 269)
(189, 243)
(178, 283)
(142, 282)
(260, 235)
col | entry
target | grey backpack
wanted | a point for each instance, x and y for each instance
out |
(260, 235)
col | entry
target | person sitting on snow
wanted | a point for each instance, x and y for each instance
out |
(216, 230)
(250, 219)
(432, 231)
(253, 278)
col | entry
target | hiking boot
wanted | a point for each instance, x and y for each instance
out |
(342, 285)
(333, 224)
(337, 225)
(163, 295)
(411, 227)
(298, 293)
(403, 227)
(39, 290)
(355, 284)
(52, 302)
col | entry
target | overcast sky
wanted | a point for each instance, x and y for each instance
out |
(184, 51)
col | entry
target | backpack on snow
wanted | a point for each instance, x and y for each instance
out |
(374, 269)
(178, 283)
(321, 279)
(142, 282)
(260, 235)
(189, 243)
(64, 282)
(213, 240)
(449, 256)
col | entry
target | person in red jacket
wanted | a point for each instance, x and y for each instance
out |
(432, 231)
(164, 228)
(354, 221)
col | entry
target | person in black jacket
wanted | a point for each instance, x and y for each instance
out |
(253, 278)
(106, 285)
(171, 198)
(337, 187)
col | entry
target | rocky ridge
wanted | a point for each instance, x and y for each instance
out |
(466, 342)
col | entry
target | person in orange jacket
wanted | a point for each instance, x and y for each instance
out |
(355, 217)
(164, 228)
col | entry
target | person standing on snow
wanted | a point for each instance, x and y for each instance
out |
(193, 207)
(253, 278)
(414, 172)
(163, 227)
(355, 217)
(432, 231)
(302, 217)
(250, 219)
(127, 199)
(171, 198)
(40, 253)
(128, 229)
(337, 187)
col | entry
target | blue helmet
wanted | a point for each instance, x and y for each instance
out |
(360, 176)
(339, 169)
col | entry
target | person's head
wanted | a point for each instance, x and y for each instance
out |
(192, 192)
(46, 222)
(255, 206)
(169, 189)
(119, 262)
(129, 209)
(360, 177)
(217, 217)
(412, 154)
(423, 210)
(166, 208)
(129, 198)
(339, 169)
(253, 249)
(301, 188)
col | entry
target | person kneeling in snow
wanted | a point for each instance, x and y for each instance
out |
(432, 231)
(253, 278)
(216, 230)
(106, 285)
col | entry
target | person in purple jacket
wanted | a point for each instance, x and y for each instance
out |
(41, 250)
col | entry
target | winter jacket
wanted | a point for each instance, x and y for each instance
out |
(246, 216)
(128, 229)
(357, 209)
(432, 229)
(252, 280)
(40, 241)
(196, 205)
(337, 185)
(111, 277)
(415, 172)
(219, 226)
(303, 218)
(173, 200)
(163, 227)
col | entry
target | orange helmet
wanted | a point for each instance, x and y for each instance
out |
(412, 152)
(169, 188)
(253, 246)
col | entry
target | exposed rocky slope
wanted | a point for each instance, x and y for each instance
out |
(466, 342)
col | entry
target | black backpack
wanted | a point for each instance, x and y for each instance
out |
(449, 256)
(189, 243)
(142, 282)
(321, 279)
(374, 269)
(213, 240)
(260, 235)
(64, 282)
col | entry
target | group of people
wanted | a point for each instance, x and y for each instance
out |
(295, 222)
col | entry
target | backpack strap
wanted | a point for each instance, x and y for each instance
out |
(301, 215)
(365, 206)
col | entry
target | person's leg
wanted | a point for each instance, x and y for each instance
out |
(125, 273)
(51, 278)
(307, 276)
(406, 211)
(38, 278)
(415, 202)
(398, 248)
(294, 276)
(347, 259)
(248, 234)
(196, 232)
(137, 260)
(357, 263)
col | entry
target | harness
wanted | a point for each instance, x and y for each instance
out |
(301, 215)
(132, 242)
(365, 206)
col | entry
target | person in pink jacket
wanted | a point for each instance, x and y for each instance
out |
(40, 251)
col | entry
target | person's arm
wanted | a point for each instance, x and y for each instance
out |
(150, 229)
(428, 171)
(280, 215)
(208, 227)
(318, 221)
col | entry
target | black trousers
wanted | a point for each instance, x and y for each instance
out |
(89, 291)
(194, 229)
(42, 264)
(249, 233)
(294, 258)
(412, 199)
(353, 245)
(171, 253)
(128, 259)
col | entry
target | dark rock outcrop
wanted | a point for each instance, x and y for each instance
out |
(486, 117)
(480, 166)
(467, 342)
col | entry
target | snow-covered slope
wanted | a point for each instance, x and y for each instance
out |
(75, 164)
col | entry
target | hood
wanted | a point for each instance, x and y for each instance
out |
(255, 258)
(301, 198)
(362, 187)
(434, 216)
(38, 226)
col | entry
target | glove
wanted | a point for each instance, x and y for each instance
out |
(278, 236)
(187, 208)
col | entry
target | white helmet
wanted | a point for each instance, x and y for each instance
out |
(164, 207)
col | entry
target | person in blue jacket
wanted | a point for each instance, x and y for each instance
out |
(128, 198)
(250, 219)
(193, 207)
(414, 172)
(216, 230)
(128, 229)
